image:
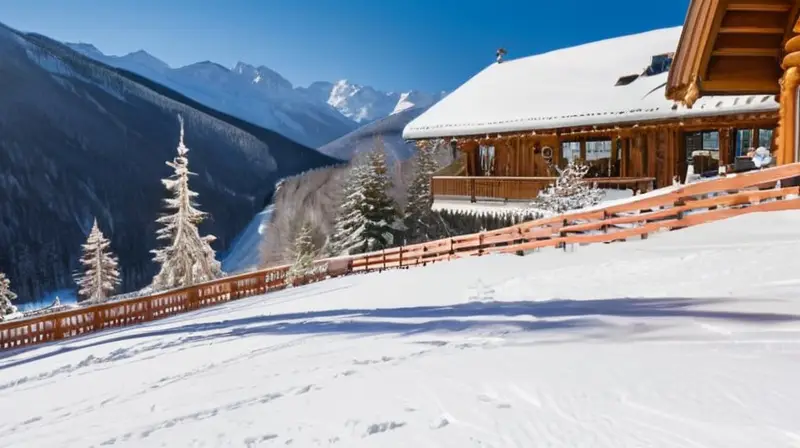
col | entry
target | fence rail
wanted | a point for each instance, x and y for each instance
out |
(691, 205)
(520, 188)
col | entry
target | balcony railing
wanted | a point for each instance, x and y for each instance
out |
(521, 188)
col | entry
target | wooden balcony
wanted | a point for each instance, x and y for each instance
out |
(521, 188)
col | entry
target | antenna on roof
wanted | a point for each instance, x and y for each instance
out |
(500, 53)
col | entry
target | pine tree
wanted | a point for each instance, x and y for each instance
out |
(6, 297)
(381, 220)
(303, 254)
(187, 257)
(101, 268)
(420, 222)
(570, 192)
(348, 225)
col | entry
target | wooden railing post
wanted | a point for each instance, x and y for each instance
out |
(400, 261)
(472, 190)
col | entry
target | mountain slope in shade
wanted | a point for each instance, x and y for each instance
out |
(80, 140)
(264, 97)
(390, 131)
(255, 94)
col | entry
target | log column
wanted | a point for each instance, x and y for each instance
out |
(786, 130)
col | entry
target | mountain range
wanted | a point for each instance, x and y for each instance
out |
(313, 116)
(80, 139)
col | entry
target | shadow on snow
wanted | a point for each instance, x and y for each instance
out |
(563, 314)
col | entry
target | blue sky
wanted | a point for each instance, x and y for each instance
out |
(392, 44)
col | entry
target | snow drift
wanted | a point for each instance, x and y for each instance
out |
(686, 339)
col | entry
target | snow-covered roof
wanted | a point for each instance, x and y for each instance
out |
(571, 87)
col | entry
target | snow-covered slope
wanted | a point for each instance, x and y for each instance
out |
(390, 131)
(313, 115)
(244, 252)
(687, 339)
(574, 86)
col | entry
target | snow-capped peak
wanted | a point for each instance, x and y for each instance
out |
(263, 76)
(313, 115)
(415, 98)
(364, 104)
(86, 49)
(144, 58)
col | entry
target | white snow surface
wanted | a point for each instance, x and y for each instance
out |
(244, 253)
(687, 339)
(571, 87)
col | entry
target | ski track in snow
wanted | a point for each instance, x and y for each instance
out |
(620, 345)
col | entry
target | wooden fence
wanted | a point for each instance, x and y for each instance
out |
(673, 209)
(520, 188)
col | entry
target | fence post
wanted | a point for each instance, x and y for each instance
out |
(192, 297)
(472, 190)
(400, 265)
(233, 289)
(480, 244)
(58, 332)
(97, 319)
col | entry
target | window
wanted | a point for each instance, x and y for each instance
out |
(765, 138)
(702, 151)
(659, 63)
(571, 151)
(742, 144)
(598, 156)
(487, 159)
(625, 80)
(598, 150)
(711, 141)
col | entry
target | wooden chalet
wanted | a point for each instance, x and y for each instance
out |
(604, 103)
(735, 47)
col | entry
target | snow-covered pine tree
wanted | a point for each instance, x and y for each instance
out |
(101, 269)
(187, 258)
(348, 225)
(570, 192)
(6, 297)
(420, 222)
(381, 220)
(303, 254)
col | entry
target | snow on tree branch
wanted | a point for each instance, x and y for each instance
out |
(570, 191)
(187, 258)
(7, 310)
(367, 219)
(303, 254)
(101, 268)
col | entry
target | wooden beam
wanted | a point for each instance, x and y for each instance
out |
(742, 87)
(748, 52)
(750, 30)
(714, 22)
(753, 6)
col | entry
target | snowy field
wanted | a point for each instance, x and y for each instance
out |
(688, 339)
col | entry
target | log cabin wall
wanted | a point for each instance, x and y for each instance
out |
(653, 150)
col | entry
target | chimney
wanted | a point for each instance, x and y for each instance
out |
(500, 53)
